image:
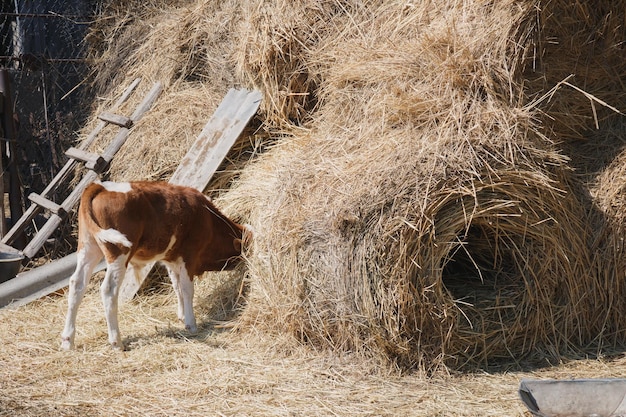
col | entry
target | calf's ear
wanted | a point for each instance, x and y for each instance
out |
(247, 234)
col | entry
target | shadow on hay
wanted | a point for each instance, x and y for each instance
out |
(598, 149)
(215, 310)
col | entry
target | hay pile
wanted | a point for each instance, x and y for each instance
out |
(161, 41)
(416, 186)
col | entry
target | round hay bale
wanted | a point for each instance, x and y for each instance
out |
(606, 167)
(470, 78)
(427, 244)
(424, 217)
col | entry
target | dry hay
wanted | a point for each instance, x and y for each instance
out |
(583, 43)
(609, 211)
(428, 254)
(426, 215)
(169, 372)
(416, 201)
(587, 114)
(277, 48)
(186, 48)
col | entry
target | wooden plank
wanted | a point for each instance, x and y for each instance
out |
(47, 204)
(206, 154)
(68, 204)
(92, 160)
(219, 134)
(68, 168)
(81, 155)
(116, 119)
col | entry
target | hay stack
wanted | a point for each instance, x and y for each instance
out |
(583, 43)
(414, 257)
(418, 202)
(608, 196)
(424, 216)
(188, 49)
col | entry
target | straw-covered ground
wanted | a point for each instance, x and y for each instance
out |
(435, 188)
(220, 372)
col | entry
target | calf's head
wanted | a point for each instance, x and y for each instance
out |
(236, 239)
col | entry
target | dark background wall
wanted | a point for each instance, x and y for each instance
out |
(43, 47)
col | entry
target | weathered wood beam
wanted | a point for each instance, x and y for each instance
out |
(92, 160)
(47, 204)
(116, 119)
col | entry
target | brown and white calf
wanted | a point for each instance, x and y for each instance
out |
(134, 224)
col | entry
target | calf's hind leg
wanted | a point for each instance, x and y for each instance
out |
(86, 260)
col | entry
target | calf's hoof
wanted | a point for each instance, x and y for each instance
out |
(66, 344)
(192, 328)
(118, 346)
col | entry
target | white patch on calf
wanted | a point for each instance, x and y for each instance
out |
(113, 236)
(116, 187)
(141, 267)
(170, 245)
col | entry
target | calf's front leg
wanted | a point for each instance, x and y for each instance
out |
(183, 287)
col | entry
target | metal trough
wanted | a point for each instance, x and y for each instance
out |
(575, 398)
(10, 263)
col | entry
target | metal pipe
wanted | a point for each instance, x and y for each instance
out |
(37, 283)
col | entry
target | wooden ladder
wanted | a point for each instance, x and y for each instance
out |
(94, 162)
